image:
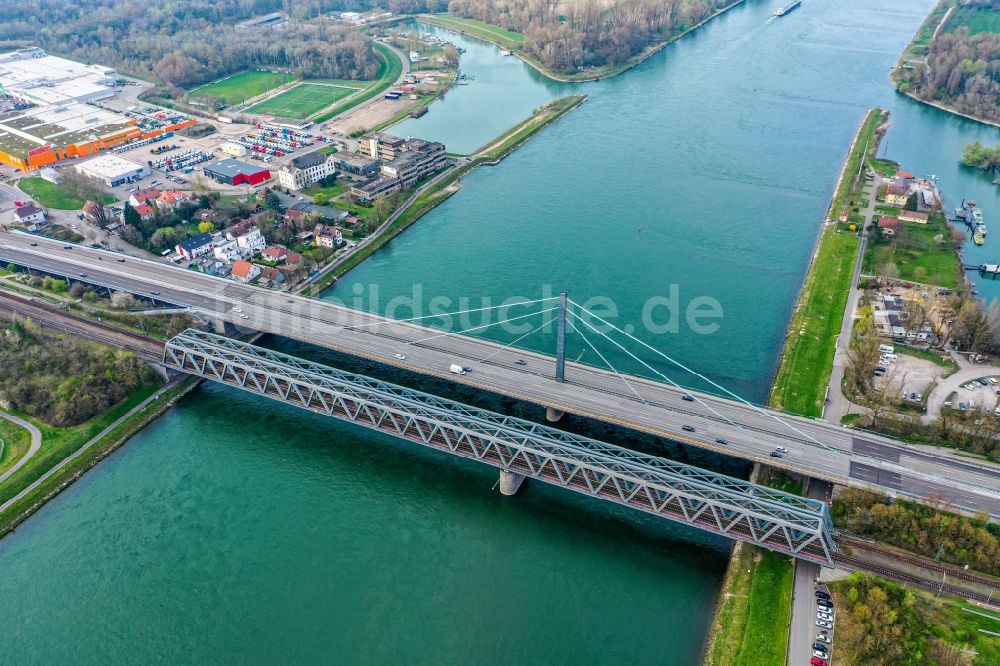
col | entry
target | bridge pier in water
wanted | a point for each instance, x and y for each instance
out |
(552, 414)
(510, 482)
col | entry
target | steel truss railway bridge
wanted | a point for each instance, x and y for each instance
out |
(722, 422)
(520, 449)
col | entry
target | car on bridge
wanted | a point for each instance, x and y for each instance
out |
(688, 428)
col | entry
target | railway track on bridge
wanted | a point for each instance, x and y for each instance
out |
(21, 305)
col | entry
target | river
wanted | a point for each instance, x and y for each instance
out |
(238, 530)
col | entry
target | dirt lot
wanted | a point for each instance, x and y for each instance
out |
(911, 375)
(380, 110)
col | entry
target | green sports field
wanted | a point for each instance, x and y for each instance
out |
(302, 100)
(245, 85)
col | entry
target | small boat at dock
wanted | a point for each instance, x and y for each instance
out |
(978, 238)
(787, 8)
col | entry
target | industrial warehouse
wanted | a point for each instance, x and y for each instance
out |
(47, 115)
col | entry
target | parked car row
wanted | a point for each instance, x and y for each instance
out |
(824, 620)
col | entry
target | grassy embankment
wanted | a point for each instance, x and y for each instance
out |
(14, 443)
(514, 42)
(446, 186)
(755, 603)
(807, 360)
(60, 443)
(54, 196)
(391, 69)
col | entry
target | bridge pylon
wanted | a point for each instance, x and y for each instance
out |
(552, 414)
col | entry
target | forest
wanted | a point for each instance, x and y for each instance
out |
(183, 43)
(588, 33)
(63, 380)
(962, 69)
(921, 529)
(881, 623)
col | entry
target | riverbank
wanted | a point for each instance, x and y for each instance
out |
(80, 448)
(916, 53)
(752, 615)
(440, 189)
(505, 40)
(806, 363)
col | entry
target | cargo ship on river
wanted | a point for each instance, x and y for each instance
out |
(787, 8)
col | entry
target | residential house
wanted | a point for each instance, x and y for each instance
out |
(276, 253)
(271, 277)
(328, 236)
(208, 215)
(912, 216)
(195, 247)
(244, 271)
(31, 216)
(293, 260)
(303, 171)
(142, 196)
(171, 200)
(888, 225)
(226, 250)
(294, 216)
(897, 194)
(248, 237)
(146, 212)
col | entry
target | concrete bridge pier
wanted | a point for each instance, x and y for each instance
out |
(510, 482)
(552, 414)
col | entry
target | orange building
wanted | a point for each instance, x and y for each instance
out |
(39, 136)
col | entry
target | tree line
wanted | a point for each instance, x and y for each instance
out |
(187, 42)
(589, 33)
(63, 380)
(882, 623)
(962, 70)
(920, 529)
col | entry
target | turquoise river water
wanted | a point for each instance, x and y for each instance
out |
(236, 530)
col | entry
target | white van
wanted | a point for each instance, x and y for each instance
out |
(457, 369)
(886, 349)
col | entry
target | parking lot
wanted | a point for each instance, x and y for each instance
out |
(910, 376)
(983, 394)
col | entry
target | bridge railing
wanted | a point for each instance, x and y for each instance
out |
(725, 505)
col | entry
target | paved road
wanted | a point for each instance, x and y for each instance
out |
(36, 443)
(966, 373)
(839, 405)
(803, 630)
(815, 448)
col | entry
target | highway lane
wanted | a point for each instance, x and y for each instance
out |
(815, 448)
